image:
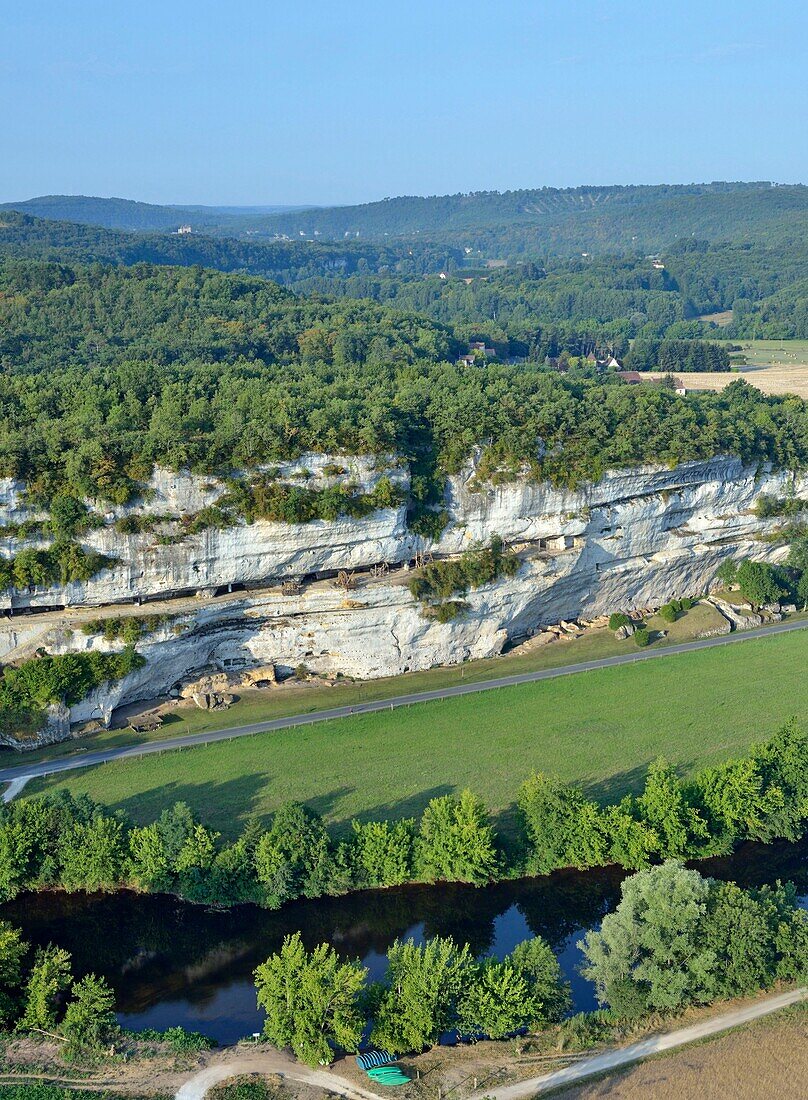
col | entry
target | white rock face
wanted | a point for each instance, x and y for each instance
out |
(637, 537)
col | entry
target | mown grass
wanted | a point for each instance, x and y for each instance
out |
(266, 705)
(599, 728)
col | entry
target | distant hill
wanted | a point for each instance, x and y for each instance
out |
(139, 216)
(509, 224)
(23, 236)
(567, 221)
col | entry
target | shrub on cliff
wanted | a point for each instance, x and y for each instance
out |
(442, 580)
(65, 678)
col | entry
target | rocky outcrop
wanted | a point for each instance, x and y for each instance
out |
(638, 537)
(56, 728)
(739, 618)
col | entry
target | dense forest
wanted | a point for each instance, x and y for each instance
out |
(105, 371)
(600, 300)
(568, 221)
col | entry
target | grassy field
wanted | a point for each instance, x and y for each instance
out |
(601, 728)
(291, 698)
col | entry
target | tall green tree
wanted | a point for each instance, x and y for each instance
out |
(760, 582)
(664, 806)
(549, 997)
(420, 993)
(89, 1023)
(456, 840)
(382, 852)
(50, 977)
(92, 854)
(311, 1000)
(291, 858)
(12, 952)
(563, 827)
(650, 953)
(495, 1001)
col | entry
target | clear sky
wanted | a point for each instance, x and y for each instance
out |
(336, 101)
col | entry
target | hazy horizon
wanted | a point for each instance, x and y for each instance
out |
(281, 205)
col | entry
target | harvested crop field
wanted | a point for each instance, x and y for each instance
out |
(762, 1061)
(773, 366)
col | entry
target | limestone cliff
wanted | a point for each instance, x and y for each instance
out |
(638, 536)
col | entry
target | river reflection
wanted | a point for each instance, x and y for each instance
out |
(174, 963)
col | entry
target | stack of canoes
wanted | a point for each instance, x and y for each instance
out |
(378, 1066)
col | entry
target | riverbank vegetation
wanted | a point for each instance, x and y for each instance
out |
(676, 939)
(75, 844)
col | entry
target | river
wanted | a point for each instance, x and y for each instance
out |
(170, 962)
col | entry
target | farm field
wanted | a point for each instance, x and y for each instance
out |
(774, 366)
(307, 698)
(763, 1059)
(601, 728)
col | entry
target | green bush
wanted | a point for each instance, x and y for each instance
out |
(442, 580)
(642, 637)
(618, 619)
(669, 612)
(69, 677)
(178, 1039)
(63, 563)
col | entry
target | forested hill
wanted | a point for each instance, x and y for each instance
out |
(607, 299)
(567, 221)
(106, 371)
(138, 216)
(25, 236)
(528, 223)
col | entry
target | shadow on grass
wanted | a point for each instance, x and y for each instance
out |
(614, 787)
(221, 806)
(403, 808)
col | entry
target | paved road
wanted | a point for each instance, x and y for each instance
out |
(625, 1056)
(124, 752)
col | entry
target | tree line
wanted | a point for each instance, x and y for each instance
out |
(675, 939)
(74, 844)
(41, 996)
(109, 371)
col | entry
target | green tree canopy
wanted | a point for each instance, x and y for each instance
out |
(311, 1000)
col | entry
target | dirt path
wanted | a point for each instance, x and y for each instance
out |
(270, 1062)
(15, 786)
(602, 1063)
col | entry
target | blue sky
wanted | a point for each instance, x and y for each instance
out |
(304, 101)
